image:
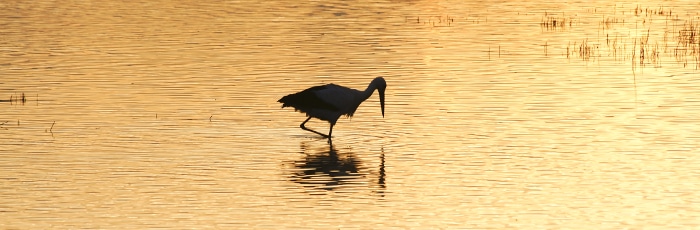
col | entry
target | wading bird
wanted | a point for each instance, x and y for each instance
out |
(329, 102)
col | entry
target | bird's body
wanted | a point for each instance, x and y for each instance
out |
(330, 102)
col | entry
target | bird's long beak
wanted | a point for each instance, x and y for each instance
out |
(381, 100)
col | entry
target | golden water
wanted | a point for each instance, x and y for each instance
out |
(521, 115)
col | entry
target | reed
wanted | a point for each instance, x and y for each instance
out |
(673, 37)
(16, 99)
(688, 35)
(556, 23)
(585, 51)
(613, 46)
(50, 130)
(434, 21)
(610, 22)
(638, 11)
(688, 38)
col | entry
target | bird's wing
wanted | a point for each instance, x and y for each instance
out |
(343, 98)
(307, 100)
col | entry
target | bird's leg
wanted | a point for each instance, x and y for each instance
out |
(311, 130)
(302, 124)
(330, 140)
(331, 131)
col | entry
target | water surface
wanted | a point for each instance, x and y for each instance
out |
(499, 115)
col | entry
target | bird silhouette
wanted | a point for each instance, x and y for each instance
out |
(330, 102)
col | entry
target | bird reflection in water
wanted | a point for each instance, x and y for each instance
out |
(327, 169)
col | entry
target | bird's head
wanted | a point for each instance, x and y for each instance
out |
(380, 84)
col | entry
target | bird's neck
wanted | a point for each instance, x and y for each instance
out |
(368, 92)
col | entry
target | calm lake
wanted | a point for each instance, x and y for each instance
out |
(499, 115)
